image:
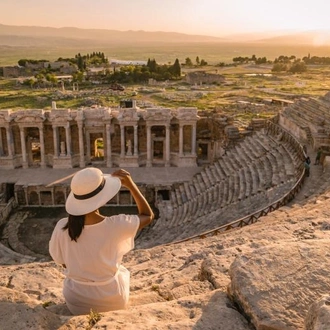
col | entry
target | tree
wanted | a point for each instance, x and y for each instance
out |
(203, 62)
(22, 62)
(279, 67)
(29, 82)
(51, 78)
(261, 60)
(298, 67)
(197, 60)
(78, 76)
(175, 69)
(80, 62)
(188, 61)
(152, 65)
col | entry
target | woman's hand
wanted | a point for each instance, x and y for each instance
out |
(124, 176)
(146, 214)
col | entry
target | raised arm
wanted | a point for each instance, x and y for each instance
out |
(146, 214)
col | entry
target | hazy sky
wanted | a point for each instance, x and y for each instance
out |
(207, 17)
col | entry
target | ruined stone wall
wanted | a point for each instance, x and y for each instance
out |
(123, 137)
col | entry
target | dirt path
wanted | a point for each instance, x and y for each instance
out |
(315, 184)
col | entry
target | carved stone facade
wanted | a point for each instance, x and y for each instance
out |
(108, 137)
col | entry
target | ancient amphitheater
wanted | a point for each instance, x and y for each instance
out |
(241, 240)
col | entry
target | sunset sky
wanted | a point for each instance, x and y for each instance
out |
(205, 17)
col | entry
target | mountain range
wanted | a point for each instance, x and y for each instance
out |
(48, 36)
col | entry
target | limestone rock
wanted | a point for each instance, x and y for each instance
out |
(212, 311)
(18, 311)
(275, 285)
(318, 317)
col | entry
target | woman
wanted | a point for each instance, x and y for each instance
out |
(91, 246)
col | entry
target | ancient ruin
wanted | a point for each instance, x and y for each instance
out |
(126, 136)
(196, 266)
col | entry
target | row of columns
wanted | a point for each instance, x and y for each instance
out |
(10, 146)
(123, 139)
(193, 140)
(63, 151)
(38, 191)
(42, 147)
(87, 137)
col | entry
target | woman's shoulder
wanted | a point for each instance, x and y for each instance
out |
(61, 223)
(121, 218)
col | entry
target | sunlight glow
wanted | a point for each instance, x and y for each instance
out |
(208, 17)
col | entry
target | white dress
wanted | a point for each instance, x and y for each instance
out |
(95, 278)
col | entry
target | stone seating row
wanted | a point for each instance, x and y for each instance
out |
(220, 216)
(299, 117)
(316, 113)
(305, 112)
(211, 189)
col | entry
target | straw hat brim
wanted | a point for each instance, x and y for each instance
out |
(80, 207)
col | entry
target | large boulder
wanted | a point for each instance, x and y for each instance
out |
(318, 317)
(275, 285)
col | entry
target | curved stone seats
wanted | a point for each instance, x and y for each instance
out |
(248, 180)
(240, 186)
(296, 116)
(256, 178)
(318, 108)
(215, 219)
(306, 112)
(267, 170)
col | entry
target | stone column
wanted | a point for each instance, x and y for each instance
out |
(88, 146)
(39, 196)
(10, 141)
(122, 141)
(42, 147)
(1, 143)
(81, 145)
(149, 146)
(135, 140)
(108, 137)
(181, 141)
(55, 137)
(23, 145)
(167, 150)
(68, 140)
(53, 195)
(26, 195)
(193, 140)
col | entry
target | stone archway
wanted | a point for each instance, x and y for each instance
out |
(33, 198)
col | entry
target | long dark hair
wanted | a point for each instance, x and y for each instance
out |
(75, 225)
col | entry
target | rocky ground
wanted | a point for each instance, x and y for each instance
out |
(270, 275)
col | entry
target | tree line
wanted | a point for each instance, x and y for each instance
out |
(138, 73)
(284, 63)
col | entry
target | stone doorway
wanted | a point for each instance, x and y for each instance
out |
(203, 153)
(97, 148)
(33, 146)
(158, 151)
(3, 142)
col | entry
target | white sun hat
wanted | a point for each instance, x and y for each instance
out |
(90, 189)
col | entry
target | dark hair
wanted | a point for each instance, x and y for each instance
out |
(75, 225)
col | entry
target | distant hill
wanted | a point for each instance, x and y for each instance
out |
(315, 38)
(33, 35)
(17, 36)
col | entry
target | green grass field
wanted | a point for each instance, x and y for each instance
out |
(242, 83)
(213, 53)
